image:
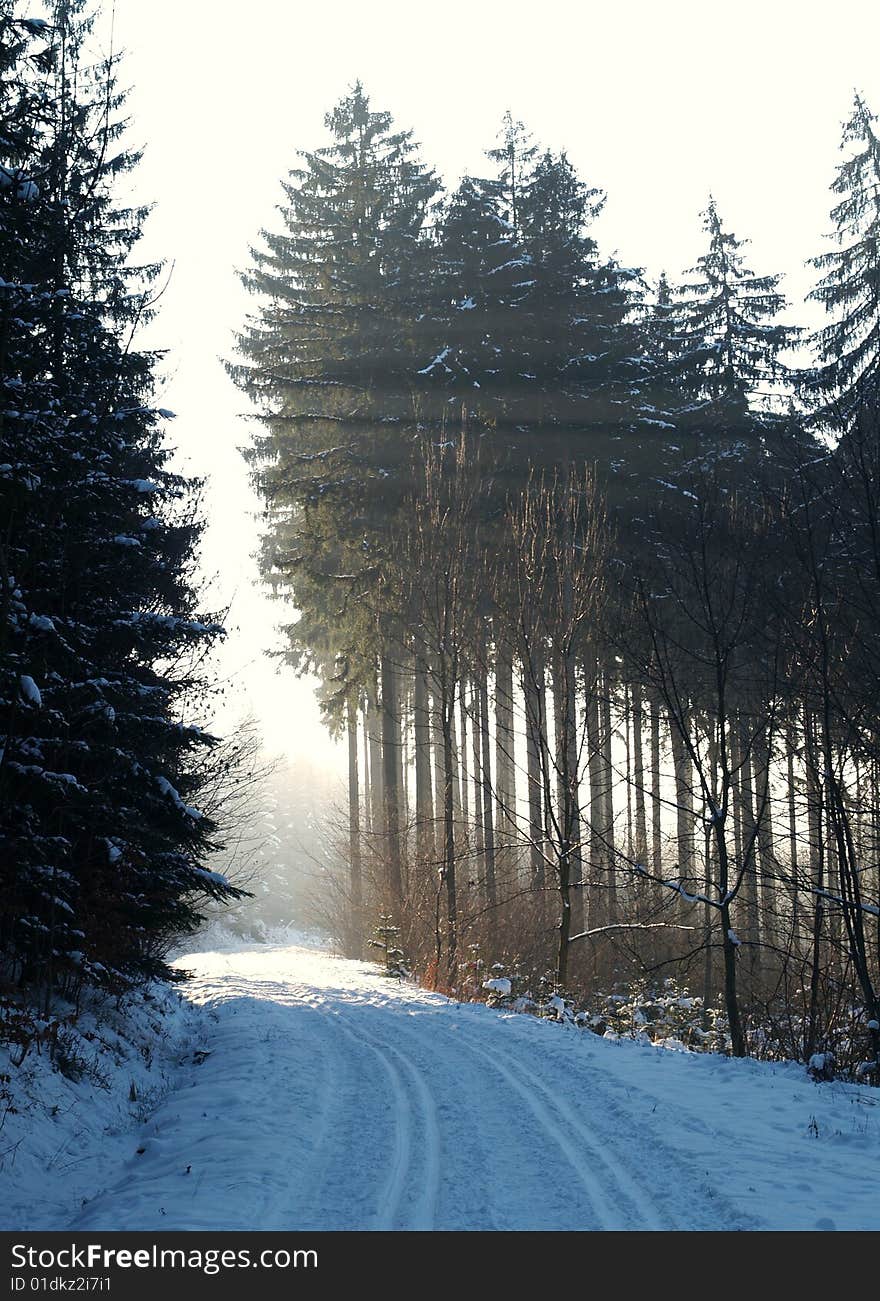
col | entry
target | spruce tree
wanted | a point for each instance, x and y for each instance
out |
(103, 850)
(727, 339)
(581, 337)
(329, 360)
(481, 280)
(329, 355)
(847, 377)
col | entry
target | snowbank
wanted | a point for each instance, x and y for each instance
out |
(68, 1124)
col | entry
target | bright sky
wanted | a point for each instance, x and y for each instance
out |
(658, 102)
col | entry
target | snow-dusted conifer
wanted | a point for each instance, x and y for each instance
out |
(847, 377)
(728, 339)
(103, 845)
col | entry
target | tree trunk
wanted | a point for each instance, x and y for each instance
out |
(439, 761)
(478, 784)
(598, 910)
(368, 794)
(684, 802)
(792, 837)
(447, 706)
(486, 773)
(817, 880)
(749, 892)
(533, 695)
(608, 796)
(656, 805)
(390, 771)
(505, 773)
(463, 764)
(376, 779)
(570, 854)
(641, 831)
(425, 848)
(766, 867)
(355, 927)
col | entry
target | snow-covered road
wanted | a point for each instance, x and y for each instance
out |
(333, 1098)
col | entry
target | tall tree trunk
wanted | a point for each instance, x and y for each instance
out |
(684, 802)
(505, 773)
(439, 761)
(571, 856)
(656, 804)
(815, 818)
(400, 753)
(376, 775)
(640, 846)
(454, 771)
(476, 741)
(368, 794)
(355, 926)
(390, 778)
(608, 795)
(792, 836)
(447, 717)
(766, 859)
(425, 848)
(749, 892)
(627, 717)
(533, 695)
(486, 773)
(598, 910)
(463, 764)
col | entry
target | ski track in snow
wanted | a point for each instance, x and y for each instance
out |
(332, 1098)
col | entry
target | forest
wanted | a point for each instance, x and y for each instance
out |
(588, 568)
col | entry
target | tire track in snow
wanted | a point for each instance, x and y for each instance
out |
(603, 1188)
(610, 1185)
(550, 1116)
(681, 1180)
(302, 1185)
(485, 1192)
(423, 1214)
(395, 1184)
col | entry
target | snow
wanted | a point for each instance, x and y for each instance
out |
(439, 360)
(296, 1090)
(30, 691)
(498, 985)
(24, 189)
(167, 789)
(216, 878)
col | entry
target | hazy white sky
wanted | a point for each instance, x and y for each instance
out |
(658, 102)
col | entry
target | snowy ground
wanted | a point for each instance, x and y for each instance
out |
(309, 1092)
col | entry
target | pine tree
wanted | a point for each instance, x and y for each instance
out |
(848, 375)
(103, 851)
(481, 279)
(515, 155)
(727, 339)
(328, 357)
(329, 360)
(580, 338)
